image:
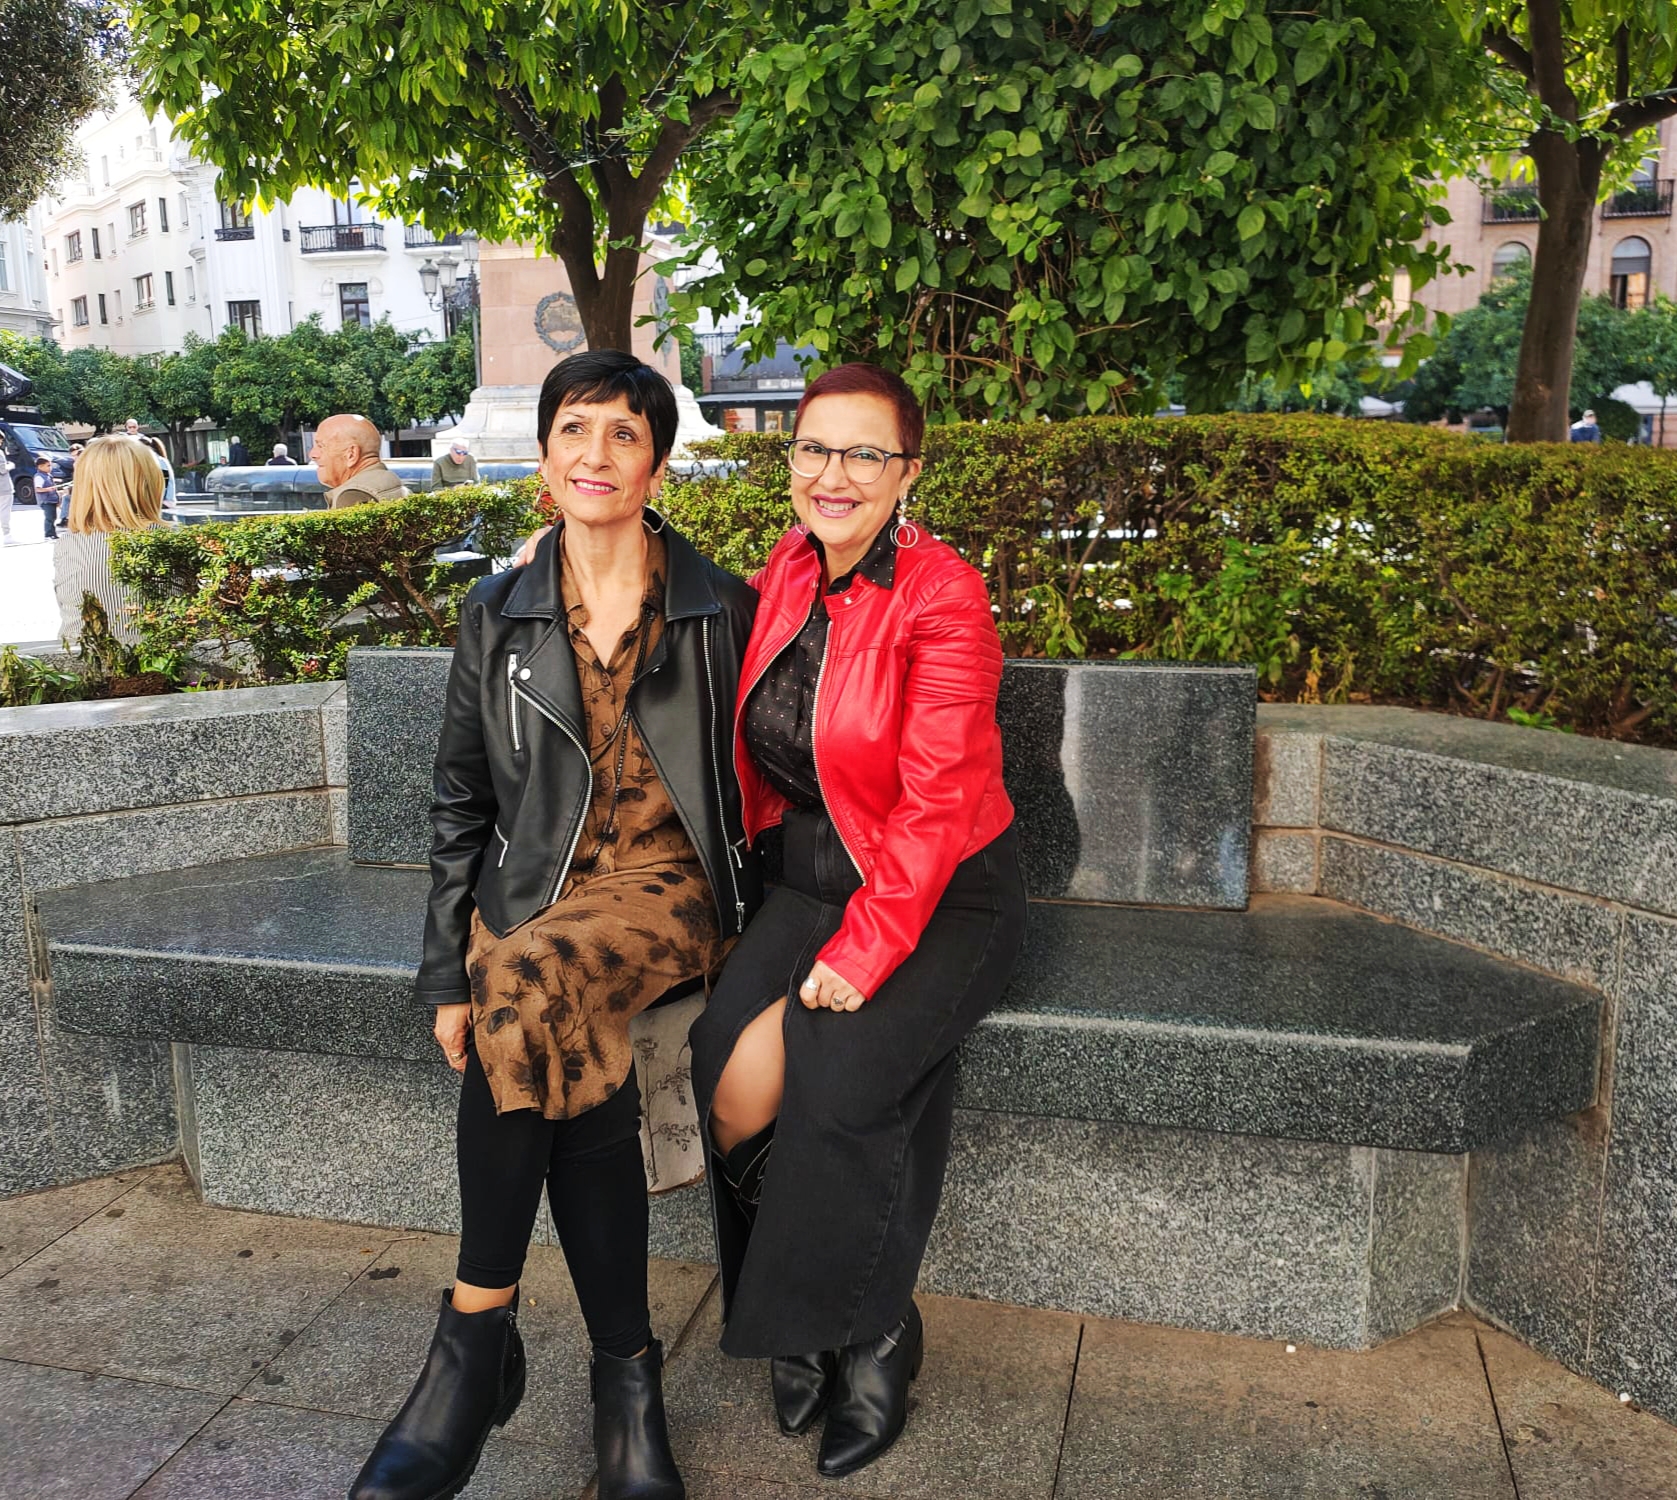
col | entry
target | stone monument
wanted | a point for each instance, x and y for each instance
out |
(527, 320)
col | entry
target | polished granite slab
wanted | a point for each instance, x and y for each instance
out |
(1132, 780)
(1299, 1018)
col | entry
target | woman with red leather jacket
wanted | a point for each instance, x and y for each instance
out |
(867, 750)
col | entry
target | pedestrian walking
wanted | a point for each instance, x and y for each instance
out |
(1586, 429)
(47, 497)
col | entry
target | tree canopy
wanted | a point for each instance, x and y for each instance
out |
(62, 59)
(1035, 208)
(1575, 87)
(561, 121)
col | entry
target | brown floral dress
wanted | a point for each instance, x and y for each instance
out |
(553, 999)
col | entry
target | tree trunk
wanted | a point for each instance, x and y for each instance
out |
(605, 298)
(1568, 179)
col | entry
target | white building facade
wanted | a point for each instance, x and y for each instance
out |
(142, 251)
(23, 279)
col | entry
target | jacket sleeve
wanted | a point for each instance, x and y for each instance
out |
(948, 737)
(463, 812)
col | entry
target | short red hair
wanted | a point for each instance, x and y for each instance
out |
(871, 380)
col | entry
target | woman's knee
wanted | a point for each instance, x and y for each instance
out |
(754, 1077)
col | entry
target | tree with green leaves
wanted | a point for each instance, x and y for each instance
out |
(1045, 208)
(63, 59)
(1654, 342)
(1476, 367)
(183, 385)
(435, 381)
(1576, 85)
(562, 121)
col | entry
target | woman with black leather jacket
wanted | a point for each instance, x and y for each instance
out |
(588, 858)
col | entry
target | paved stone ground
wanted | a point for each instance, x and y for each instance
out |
(152, 1347)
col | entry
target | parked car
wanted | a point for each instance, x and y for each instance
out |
(26, 436)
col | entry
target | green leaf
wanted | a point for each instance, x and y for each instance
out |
(1311, 58)
(1007, 98)
(949, 59)
(908, 273)
(1251, 221)
(877, 225)
(1259, 110)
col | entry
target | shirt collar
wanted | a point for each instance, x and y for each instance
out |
(878, 564)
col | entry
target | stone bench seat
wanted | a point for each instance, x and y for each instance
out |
(1298, 1018)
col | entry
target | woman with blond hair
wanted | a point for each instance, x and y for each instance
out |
(118, 487)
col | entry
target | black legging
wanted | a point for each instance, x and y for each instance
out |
(596, 1189)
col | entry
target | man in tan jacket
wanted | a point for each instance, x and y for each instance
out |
(346, 458)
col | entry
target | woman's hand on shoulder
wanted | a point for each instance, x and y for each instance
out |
(527, 553)
(825, 989)
(450, 1029)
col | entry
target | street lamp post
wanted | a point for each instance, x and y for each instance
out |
(445, 287)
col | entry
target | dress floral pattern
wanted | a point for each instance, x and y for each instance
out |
(552, 1001)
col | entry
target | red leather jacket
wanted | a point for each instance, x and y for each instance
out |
(906, 744)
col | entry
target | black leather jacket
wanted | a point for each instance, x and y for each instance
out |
(513, 780)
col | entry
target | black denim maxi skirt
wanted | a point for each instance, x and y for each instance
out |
(862, 1143)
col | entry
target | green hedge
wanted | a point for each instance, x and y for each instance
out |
(1352, 561)
(285, 598)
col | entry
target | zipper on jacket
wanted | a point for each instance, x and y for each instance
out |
(512, 701)
(582, 818)
(815, 749)
(716, 772)
(506, 844)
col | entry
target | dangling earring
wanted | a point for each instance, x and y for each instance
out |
(663, 520)
(547, 505)
(905, 533)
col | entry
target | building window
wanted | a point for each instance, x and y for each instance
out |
(191, 286)
(105, 170)
(353, 303)
(73, 247)
(116, 298)
(1507, 257)
(234, 216)
(186, 218)
(95, 233)
(104, 316)
(346, 212)
(169, 287)
(247, 317)
(1633, 265)
(5, 278)
(162, 215)
(78, 311)
(142, 293)
(111, 229)
(136, 219)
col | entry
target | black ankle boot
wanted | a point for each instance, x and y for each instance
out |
(802, 1385)
(631, 1436)
(742, 1169)
(870, 1397)
(473, 1380)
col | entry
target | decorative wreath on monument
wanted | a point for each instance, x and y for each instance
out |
(559, 324)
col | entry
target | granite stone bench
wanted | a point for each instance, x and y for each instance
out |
(1194, 1106)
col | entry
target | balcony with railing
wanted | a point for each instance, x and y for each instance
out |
(1641, 200)
(341, 239)
(418, 237)
(235, 232)
(1511, 205)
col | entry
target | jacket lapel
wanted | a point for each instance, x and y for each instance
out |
(547, 671)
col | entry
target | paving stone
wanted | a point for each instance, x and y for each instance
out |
(254, 1451)
(1182, 1416)
(170, 1290)
(984, 1421)
(1569, 1439)
(362, 1355)
(30, 1223)
(1284, 862)
(74, 1436)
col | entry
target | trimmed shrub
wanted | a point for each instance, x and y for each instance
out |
(1351, 561)
(284, 599)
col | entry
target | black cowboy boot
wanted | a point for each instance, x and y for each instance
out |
(631, 1436)
(801, 1383)
(473, 1380)
(870, 1397)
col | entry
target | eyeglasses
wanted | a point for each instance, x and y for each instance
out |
(862, 464)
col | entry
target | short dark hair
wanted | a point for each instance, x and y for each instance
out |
(606, 375)
(40, 459)
(859, 379)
